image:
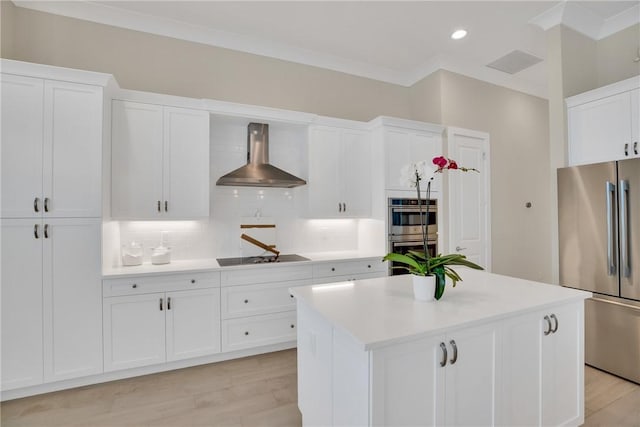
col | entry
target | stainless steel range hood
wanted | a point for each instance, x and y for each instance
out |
(258, 172)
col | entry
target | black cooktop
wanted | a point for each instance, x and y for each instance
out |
(269, 259)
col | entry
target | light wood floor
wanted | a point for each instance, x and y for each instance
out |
(255, 391)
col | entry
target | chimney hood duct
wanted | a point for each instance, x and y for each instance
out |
(258, 172)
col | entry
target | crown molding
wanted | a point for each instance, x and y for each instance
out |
(51, 72)
(584, 21)
(108, 15)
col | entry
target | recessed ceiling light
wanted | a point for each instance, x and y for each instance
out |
(458, 34)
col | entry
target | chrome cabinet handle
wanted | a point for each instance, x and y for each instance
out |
(548, 331)
(166, 206)
(458, 249)
(159, 206)
(36, 204)
(626, 149)
(555, 328)
(46, 204)
(169, 303)
(625, 268)
(160, 304)
(35, 231)
(611, 232)
(454, 359)
(46, 231)
(443, 362)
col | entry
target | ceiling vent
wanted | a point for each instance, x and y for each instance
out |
(514, 62)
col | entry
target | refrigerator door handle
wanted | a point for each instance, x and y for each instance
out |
(625, 268)
(611, 232)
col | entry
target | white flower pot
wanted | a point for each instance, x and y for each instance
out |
(424, 288)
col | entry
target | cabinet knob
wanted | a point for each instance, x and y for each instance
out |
(369, 266)
(246, 332)
(291, 295)
(246, 301)
(333, 269)
(193, 280)
(134, 286)
(293, 326)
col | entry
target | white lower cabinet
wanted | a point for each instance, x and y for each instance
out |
(51, 317)
(522, 370)
(543, 363)
(150, 328)
(441, 380)
(339, 271)
(257, 308)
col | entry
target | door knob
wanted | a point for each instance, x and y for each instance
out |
(458, 249)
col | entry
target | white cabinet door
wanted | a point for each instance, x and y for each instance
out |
(160, 162)
(339, 173)
(402, 147)
(72, 298)
(22, 131)
(599, 130)
(22, 360)
(324, 188)
(563, 367)
(472, 376)
(408, 384)
(137, 160)
(522, 371)
(72, 150)
(134, 331)
(356, 173)
(186, 163)
(193, 323)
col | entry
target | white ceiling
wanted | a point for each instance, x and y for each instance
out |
(393, 41)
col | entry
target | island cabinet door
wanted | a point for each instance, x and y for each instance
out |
(408, 383)
(563, 366)
(472, 376)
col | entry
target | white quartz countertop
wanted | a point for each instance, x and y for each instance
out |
(210, 264)
(377, 312)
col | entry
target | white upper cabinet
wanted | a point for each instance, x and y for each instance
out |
(409, 144)
(51, 148)
(339, 173)
(603, 123)
(160, 162)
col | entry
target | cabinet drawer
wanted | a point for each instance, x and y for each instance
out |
(249, 300)
(160, 283)
(255, 331)
(349, 277)
(253, 275)
(347, 268)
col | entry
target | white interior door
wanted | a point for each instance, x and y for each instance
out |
(469, 196)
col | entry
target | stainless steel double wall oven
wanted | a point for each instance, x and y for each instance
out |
(405, 232)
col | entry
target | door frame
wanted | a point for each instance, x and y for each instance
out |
(486, 178)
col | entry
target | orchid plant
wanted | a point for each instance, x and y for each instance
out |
(421, 263)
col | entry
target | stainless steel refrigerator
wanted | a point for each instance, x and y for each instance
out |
(599, 243)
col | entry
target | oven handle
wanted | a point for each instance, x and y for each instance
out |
(412, 243)
(414, 210)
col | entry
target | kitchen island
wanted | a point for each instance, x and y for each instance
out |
(493, 350)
